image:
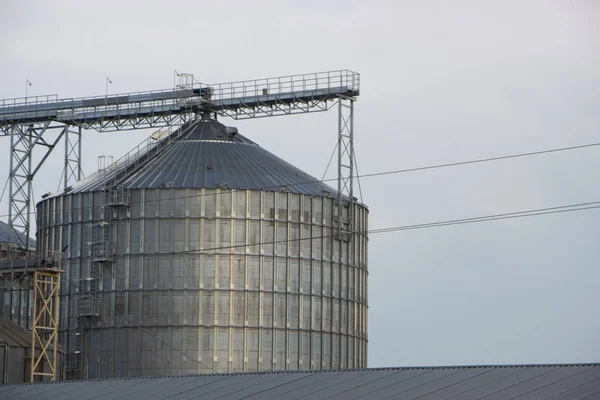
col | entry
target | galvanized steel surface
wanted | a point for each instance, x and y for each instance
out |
(545, 382)
(223, 276)
(236, 280)
(16, 298)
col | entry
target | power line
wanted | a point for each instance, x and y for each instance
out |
(480, 160)
(358, 176)
(382, 173)
(496, 217)
(329, 163)
(4, 190)
(434, 224)
(485, 218)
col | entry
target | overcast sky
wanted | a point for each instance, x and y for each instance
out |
(441, 81)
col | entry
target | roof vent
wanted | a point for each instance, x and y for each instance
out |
(231, 131)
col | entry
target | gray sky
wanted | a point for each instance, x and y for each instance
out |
(440, 82)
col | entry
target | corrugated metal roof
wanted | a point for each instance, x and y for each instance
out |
(523, 382)
(13, 334)
(9, 235)
(209, 155)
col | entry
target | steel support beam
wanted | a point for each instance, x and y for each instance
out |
(72, 170)
(44, 337)
(345, 198)
(345, 162)
(23, 140)
(136, 122)
(275, 108)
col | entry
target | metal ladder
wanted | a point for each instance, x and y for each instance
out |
(101, 244)
(101, 253)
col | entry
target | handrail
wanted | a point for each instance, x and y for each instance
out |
(199, 93)
(30, 100)
(287, 84)
(156, 141)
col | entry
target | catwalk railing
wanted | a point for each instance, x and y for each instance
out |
(241, 99)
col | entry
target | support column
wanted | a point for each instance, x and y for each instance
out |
(345, 229)
(44, 337)
(23, 140)
(345, 161)
(72, 168)
(21, 146)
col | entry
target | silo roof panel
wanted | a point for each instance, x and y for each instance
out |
(209, 155)
(9, 235)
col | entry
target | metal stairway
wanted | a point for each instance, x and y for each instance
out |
(101, 246)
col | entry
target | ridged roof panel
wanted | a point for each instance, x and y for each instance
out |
(201, 164)
(209, 155)
(13, 335)
(9, 235)
(523, 382)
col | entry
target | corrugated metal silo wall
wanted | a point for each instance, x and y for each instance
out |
(16, 303)
(14, 364)
(183, 271)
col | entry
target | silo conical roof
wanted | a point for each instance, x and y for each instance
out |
(207, 154)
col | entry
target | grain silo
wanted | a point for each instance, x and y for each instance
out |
(207, 254)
